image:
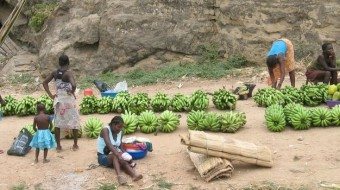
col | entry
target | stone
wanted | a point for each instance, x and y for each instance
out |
(104, 35)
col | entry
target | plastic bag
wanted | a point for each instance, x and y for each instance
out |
(20, 146)
(102, 86)
(120, 87)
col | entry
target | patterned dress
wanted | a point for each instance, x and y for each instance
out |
(66, 113)
(290, 62)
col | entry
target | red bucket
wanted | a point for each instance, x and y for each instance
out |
(88, 92)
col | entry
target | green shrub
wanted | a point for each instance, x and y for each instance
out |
(40, 12)
(24, 78)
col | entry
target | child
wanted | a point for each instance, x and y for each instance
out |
(43, 138)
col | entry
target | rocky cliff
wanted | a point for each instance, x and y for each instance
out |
(105, 34)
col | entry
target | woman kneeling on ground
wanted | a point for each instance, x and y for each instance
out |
(111, 153)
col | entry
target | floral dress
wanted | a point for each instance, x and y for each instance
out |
(66, 113)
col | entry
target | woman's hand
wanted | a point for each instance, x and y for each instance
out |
(53, 96)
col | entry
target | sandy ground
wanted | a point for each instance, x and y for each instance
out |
(301, 158)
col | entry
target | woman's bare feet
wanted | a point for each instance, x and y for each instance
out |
(36, 161)
(138, 177)
(122, 180)
(75, 147)
(46, 161)
(59, 149)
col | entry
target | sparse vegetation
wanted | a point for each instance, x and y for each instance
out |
(21, 186)
(208, 66)
(268, 185)
(39, 13)
(107, 186)
(24, 78)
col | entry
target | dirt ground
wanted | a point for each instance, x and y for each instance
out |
(302, 159)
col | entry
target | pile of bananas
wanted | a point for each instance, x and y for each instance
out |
(69, 133)
(211, 122)
(104, 105)
(335, 112)
(194, 119)
(120, 102)
(199, 100)
(9, 108)
(88, 105)
(139, 103)
(321, 117)
(130, 122)
(232, 121)
(26, 106)
(93, 127)
(30, 129)
(292, 95)
(266, 97)
(275, 118)
(148, 122)
(299, 118)
(224, 100)
(180, 103)
(288, 111)
(314, 95)
(160, 102)
(48, 102)
(168, 121)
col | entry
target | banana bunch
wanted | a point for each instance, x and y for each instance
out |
(104, 105)
(266, 97)
(26, 106)
(225, 100)
(300, 118)
(288, 110)
(194, 119)
(211, 122)
(130, 122)
(93, 127)
(30, 129)
(120, 102)
(148, 122)
(48, 102)
(160, 102)
(199, 100)
(275, 118)
(313, 95)
(180, 103)
(335, 112)
(9, 108)
(69, 133)
(88, 105)
(232, 121)
(242, 90)
(139, 103)
(321, 117)
(292, 95)
(168, 121)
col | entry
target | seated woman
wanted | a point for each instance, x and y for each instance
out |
(324, 68)
(111, 153)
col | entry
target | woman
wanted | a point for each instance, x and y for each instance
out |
(324, 68)
(66, 114)
(111, 153)
(280, 59)
(2, 103)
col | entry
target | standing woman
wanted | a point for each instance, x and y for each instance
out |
(280, 59)
(66, 114)
(2, 103)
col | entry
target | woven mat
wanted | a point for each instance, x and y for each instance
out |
(211, 168)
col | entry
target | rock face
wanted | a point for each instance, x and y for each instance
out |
(105, 34)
